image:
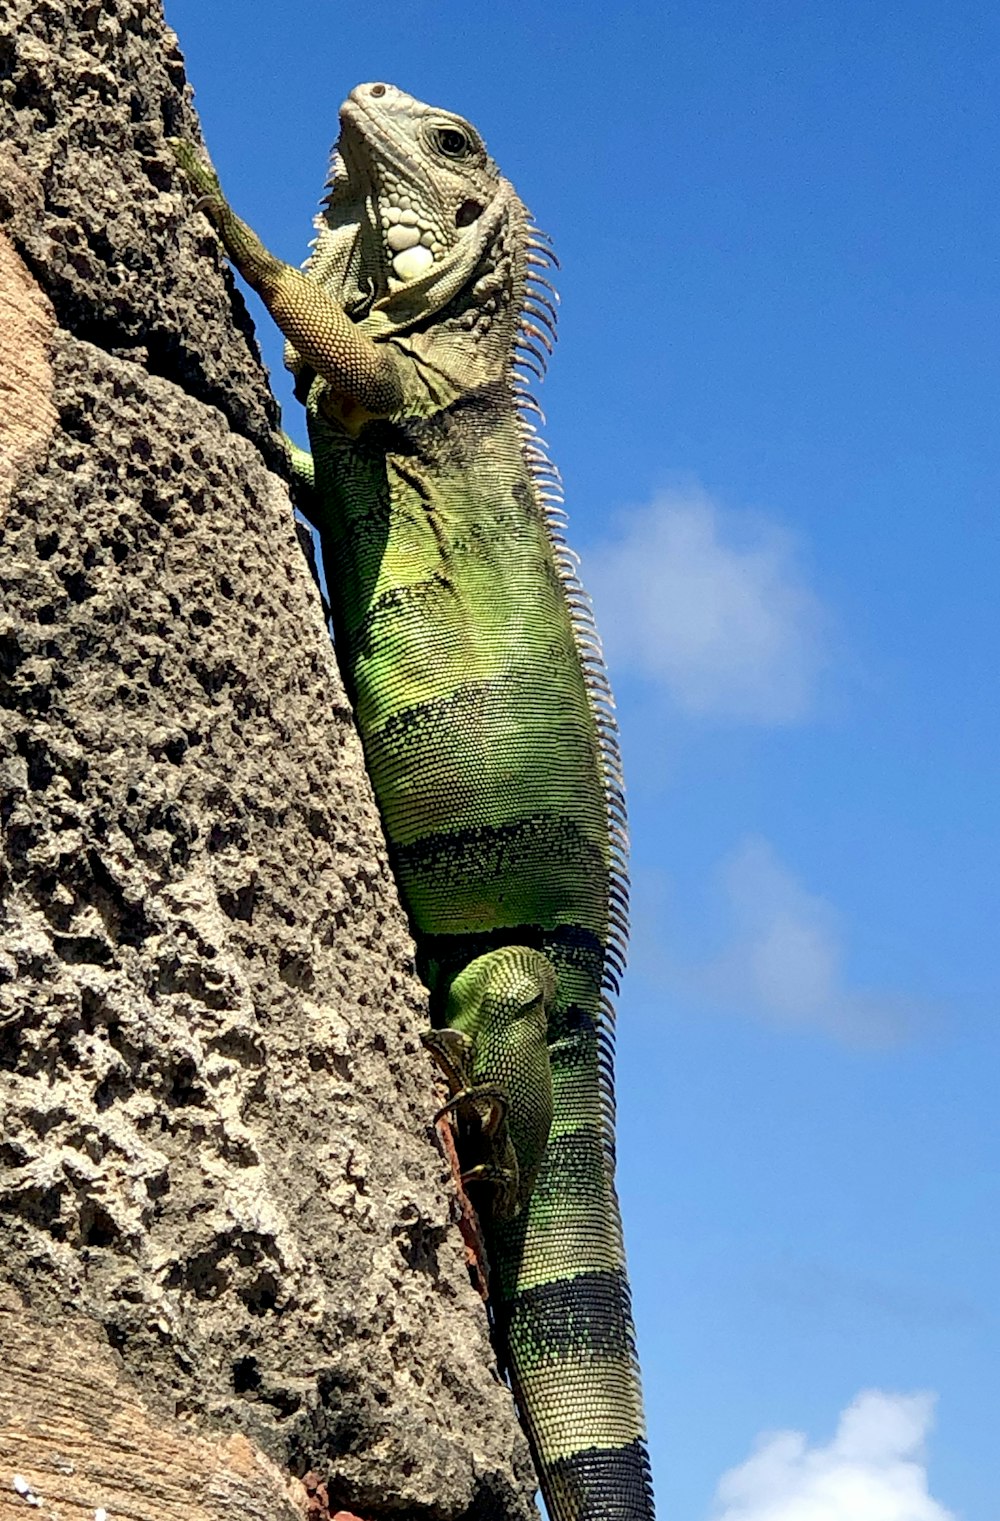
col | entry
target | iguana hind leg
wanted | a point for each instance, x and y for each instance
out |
(494, 1054)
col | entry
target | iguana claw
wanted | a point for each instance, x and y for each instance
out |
(502, 1180)
(467, 1100)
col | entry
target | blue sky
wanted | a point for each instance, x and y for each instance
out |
(775, 405)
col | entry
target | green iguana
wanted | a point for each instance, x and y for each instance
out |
(470, 655)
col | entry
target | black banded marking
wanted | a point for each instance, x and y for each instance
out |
(478, 708)
(572, 948)
(574, 1167)
(496, 849)
(418, 596)
(494, 872)
(602, 1484)
(458, 433)
(573, 944)
(586, 1316)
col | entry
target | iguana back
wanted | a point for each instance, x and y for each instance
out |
(470, 655)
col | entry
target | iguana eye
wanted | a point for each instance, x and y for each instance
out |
(452, 142)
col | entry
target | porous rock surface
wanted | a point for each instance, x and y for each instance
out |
(223, 1218)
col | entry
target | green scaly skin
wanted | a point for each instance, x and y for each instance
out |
(470, 657)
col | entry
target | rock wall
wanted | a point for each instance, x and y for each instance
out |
(225, 1228)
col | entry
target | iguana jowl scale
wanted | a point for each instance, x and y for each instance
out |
(470, 655)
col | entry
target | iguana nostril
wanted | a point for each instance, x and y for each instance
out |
(378, 90)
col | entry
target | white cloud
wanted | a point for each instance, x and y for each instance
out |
(785, 962)
(712, 607)
(873, 1470)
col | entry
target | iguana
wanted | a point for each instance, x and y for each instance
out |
(469, 652)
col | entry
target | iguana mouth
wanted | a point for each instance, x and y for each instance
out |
(378, 165)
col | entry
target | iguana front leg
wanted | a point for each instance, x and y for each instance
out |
(363, 375)
(494, 1053)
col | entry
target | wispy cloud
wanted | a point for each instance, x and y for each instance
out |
(827, 1293)
(873, 1470)
(783, 959)
(786, 958)
(713, 607)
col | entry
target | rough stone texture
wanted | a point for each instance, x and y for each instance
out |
(220, 1193)
(76, 1438)
(27, 412)
(89, 193)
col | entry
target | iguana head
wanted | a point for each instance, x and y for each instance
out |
(420, 225)
(427, 180)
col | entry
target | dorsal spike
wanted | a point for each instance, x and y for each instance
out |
(537, 332)
(520, 362)
(526, 402)
(546, 314)
(524, 347)
(534, 279)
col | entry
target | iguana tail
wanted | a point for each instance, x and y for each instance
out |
(561, 1296)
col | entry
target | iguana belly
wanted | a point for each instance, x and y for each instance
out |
(470, 695)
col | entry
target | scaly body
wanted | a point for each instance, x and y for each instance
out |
(470, 656)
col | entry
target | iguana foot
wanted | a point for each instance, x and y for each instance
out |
(503, 1182)
(481, 1112)
(485, 1104)
(468, 1218)
(199, 175)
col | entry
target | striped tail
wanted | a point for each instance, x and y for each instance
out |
(563, 1306)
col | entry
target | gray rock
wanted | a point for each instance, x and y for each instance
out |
(216, 1142)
